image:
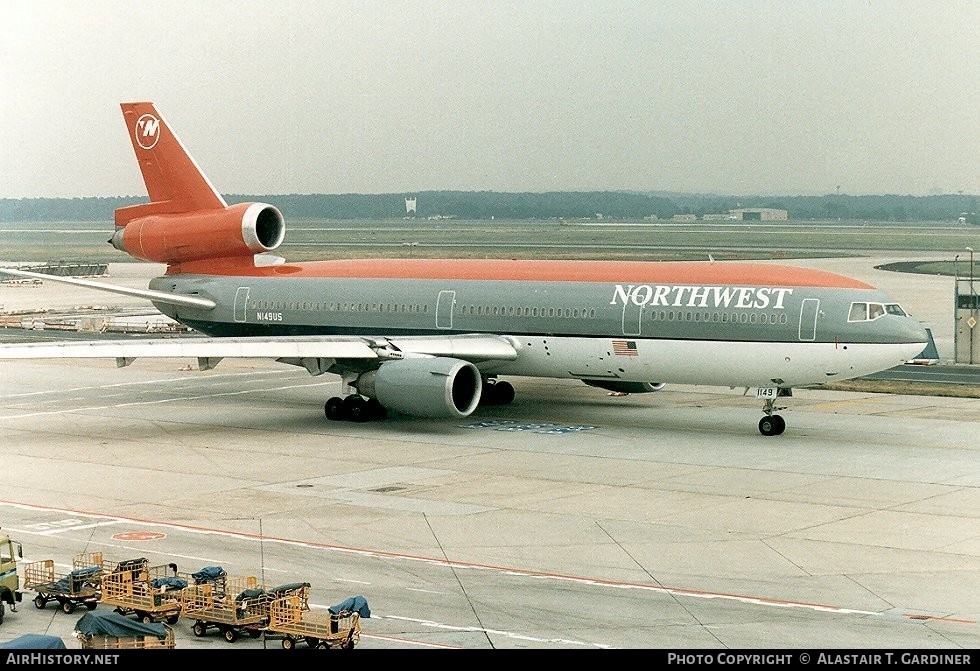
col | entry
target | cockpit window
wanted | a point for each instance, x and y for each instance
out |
(864, 312)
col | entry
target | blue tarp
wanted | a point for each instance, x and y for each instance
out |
(289, 588)
(356, 604)
(86, 572)
(250, 594)
(131, 565)
(35, 642)
(111, 623)
(208, 574)
(76, 580)
(169, 583)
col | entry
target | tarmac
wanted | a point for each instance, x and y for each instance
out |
(568, 520)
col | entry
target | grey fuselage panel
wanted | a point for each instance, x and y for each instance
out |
(275, 306)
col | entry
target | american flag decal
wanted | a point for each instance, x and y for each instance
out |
(624, 347)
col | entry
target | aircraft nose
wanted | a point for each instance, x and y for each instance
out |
(903, 329)
(915, 331)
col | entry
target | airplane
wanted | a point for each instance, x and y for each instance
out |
(436, 337)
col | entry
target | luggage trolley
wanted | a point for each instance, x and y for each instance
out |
(80, 587)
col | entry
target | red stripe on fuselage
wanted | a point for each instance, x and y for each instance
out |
(641, 272)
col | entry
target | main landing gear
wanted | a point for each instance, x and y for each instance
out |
(772, 424)
(496, 392)
(354, 408)
(357, 408)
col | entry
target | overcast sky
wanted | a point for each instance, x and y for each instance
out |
(732, 97)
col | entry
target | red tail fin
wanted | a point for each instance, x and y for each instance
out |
(186, 220)
(173, 180)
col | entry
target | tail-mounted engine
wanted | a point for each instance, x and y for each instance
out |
(239, 230)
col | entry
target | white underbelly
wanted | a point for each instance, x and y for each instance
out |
(700, 362)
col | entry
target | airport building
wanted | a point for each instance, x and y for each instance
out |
(758, 214)
(966, 345)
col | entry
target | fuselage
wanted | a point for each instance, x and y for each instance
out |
(695, 323)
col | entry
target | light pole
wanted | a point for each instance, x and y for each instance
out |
(970, 249)
(973, 305)
(956, 304)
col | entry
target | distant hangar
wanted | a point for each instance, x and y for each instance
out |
(758, 214)
(740, 214)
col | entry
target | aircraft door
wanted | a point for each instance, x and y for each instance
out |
(808, 318)
(241, 305)
(632, 318)
(444, 309)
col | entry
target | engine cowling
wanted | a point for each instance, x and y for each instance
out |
(245, 229)
(626, 387)
(424, 387)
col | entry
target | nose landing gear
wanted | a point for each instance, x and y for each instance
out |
(772, 424)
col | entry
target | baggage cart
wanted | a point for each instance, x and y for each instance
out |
(151, 593)
(234, 605)
(111, 630)
(97, 559)
(80, 587)
(291, 620)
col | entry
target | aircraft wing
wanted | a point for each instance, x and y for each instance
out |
(148, 294)
(298, 349)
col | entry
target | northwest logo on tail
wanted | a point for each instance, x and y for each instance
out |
(147, 131)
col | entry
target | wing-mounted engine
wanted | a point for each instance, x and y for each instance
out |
(238, 230)
(626, 387)
(424, 386)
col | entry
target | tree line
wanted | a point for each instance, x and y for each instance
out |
(616, 205)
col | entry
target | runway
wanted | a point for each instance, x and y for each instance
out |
(567, 520)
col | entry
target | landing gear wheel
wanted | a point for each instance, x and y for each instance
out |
(40, 602)
(499, 392)
(356, 408)
(334, 409)
(68, 606)
(772, 425)
(376, 410)
(780, 424)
